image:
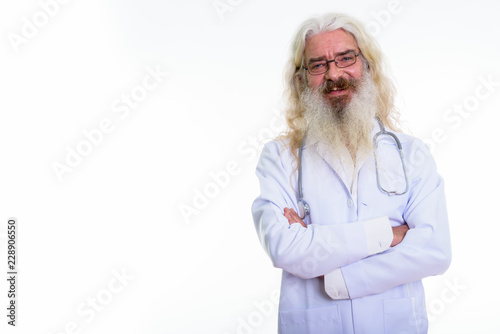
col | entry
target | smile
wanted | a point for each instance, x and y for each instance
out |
(337, 90)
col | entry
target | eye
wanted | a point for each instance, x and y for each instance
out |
(317, 65)
(345, 60)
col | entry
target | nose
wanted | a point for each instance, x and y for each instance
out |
(333, 72)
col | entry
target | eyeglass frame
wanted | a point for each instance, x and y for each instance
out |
(333, 61)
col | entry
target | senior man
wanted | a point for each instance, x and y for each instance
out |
(354, 214)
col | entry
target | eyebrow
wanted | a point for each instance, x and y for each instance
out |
(312, 60)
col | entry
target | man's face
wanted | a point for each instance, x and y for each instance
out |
(327, 46)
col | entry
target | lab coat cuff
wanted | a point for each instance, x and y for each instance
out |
(378, 235)
(335, 285)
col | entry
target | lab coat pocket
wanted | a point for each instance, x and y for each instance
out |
(399, 316)
(320, 320)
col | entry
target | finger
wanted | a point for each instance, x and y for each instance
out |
(296, 218)
(294, 215)
(291, 219)
(287, 215)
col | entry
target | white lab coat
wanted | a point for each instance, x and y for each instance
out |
(385, 289)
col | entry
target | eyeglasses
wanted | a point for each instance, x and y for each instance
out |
(342, 60)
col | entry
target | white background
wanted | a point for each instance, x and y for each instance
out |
(119, 208)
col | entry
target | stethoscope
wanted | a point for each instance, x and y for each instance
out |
(304, 209)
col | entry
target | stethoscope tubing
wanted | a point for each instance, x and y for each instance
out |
(304, 209)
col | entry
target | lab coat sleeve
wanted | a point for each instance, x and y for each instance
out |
(304, 252)
(376, 229)
(426, 248)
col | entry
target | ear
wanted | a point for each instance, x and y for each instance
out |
(366, 64)
(300, 78)
(300, 81)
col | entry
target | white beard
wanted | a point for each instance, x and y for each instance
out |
(337, 125)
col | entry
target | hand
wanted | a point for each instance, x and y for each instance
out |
(293, 217)
(399, 233)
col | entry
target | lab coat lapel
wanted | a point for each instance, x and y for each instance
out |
(338, 161)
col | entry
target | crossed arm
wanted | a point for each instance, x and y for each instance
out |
(398, 232)
(423, 243)
(335, 286)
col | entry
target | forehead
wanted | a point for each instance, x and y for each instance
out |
(328, 44)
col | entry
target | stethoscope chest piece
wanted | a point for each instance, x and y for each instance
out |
(303, 209)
